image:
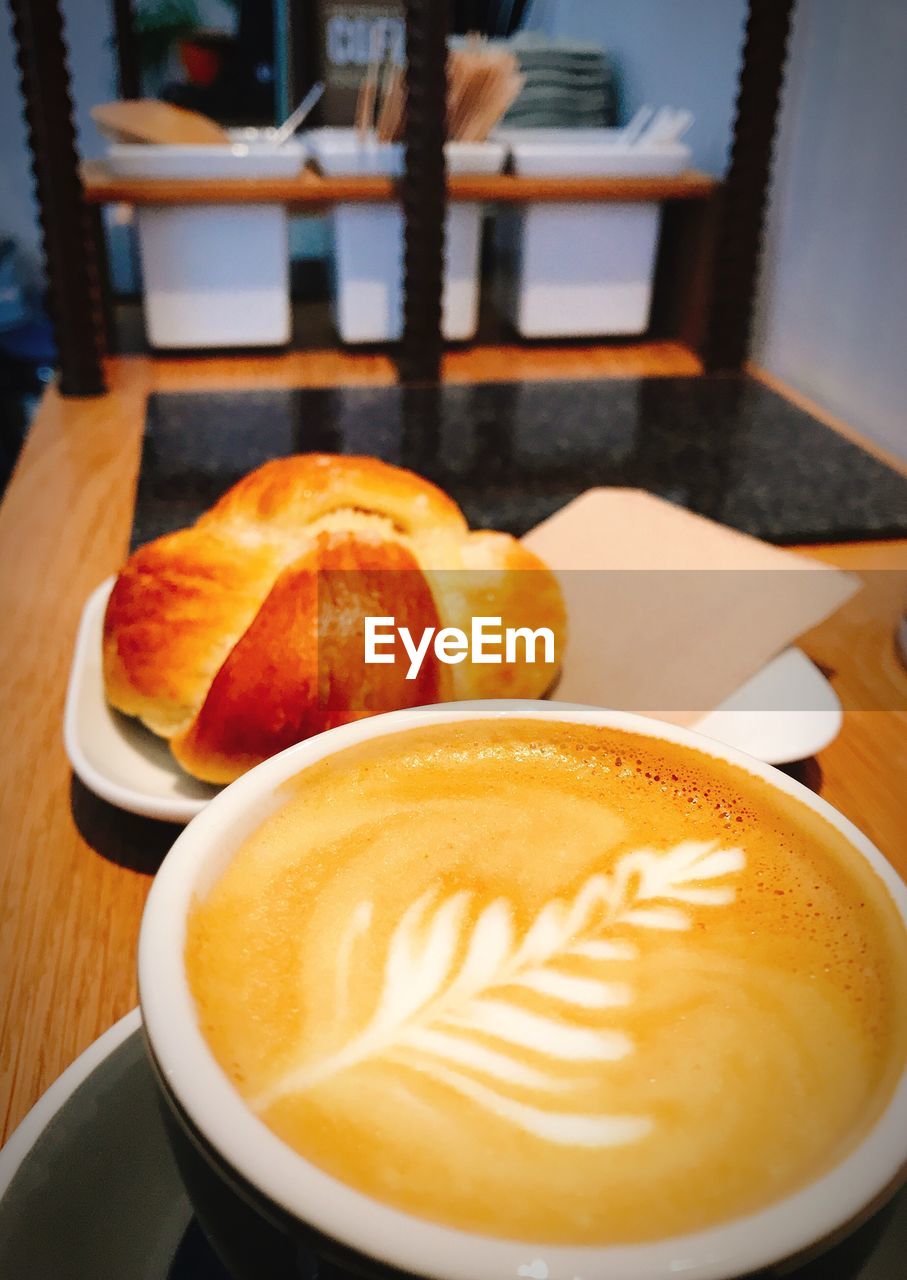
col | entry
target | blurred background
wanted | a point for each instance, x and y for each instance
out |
(830, 309)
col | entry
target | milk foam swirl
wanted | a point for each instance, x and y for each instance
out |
(453, 980)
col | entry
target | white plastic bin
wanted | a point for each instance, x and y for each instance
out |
(368, 240)
(580, 269)
(214, 275)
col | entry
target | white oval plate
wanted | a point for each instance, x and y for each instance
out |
(805, 713)
(115, 756)
(124, 763)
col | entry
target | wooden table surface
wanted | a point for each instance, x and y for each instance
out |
(74, 872)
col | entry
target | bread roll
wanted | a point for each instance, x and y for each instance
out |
(245, 633)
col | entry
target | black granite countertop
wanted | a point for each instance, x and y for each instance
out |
(513, 453)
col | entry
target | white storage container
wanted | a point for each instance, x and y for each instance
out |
(580, 269)
(368, 240)
(214, 275)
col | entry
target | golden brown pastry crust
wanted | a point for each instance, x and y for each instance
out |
(243, 634)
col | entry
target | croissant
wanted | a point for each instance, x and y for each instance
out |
(244, 633)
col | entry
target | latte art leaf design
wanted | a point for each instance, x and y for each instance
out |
(450, 1004)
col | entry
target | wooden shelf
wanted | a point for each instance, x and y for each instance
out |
(311, 191)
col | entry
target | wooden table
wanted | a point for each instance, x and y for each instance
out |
(74, 872)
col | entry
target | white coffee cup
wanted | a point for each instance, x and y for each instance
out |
(268, 1210)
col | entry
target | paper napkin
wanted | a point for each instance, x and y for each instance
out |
(669, 612)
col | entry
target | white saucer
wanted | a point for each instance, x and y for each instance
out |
(121, 761)
(89, 1190)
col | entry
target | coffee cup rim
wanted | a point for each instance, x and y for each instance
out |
(282, 1176)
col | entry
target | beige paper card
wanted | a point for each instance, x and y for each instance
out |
(668, 612)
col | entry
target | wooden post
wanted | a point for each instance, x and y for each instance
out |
(743, 200)
(68, 243)
(424, 190)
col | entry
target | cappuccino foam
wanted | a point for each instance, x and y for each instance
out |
(553, 982)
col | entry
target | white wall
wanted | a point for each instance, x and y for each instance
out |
(680, 53)
(91, 66)
(832, 313)
(17, 210)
